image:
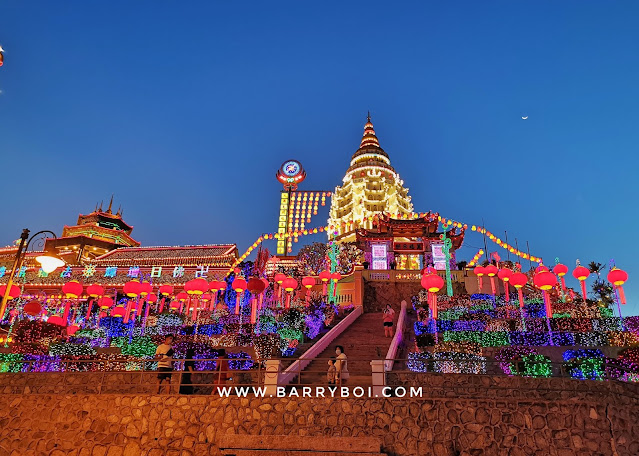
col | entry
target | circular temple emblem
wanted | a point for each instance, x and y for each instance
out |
(290, 174)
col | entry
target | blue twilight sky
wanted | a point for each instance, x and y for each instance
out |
(185, 110)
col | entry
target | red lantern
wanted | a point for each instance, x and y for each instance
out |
(32, 308)
(480, 272)
(71, 330)
(545, 281)
(152, 298)
(72, 289)
(541, 268)
(289, 285)
(196, 286)
(335, 277)
(166, 290)
(182, 296)
(505, 275)
(432, 283)
(105, 302)
(239, 285)
(581, 273)
(617, 277)
(519, 280)
(95, 291)
(56, 320)
(308, 283)
(118, 311)
(491, 271)
(324, 276)
(279, 279)
(561, 270)
(132, 288)
(13, 293)
(145, 289)
(256, 287)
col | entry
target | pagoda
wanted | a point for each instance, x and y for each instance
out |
(93, 235)
(370, 187)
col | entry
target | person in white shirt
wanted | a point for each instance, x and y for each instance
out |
(341, 365)
(164, 356)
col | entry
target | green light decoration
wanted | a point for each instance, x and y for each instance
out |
(446, 250)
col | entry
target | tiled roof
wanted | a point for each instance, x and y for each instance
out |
(217, 254)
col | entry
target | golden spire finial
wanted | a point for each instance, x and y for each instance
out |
(110, 205)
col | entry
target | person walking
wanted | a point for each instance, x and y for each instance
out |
(388, 317)
(186, 383)
(164, 356)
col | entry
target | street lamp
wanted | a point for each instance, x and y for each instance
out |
(49, 262)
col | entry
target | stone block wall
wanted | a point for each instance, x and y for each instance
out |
(458, 415)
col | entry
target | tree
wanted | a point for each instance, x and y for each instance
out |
(596, 268)
(312, 258)
(604, 292)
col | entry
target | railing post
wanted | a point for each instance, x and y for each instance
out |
(379, 376)
(272, 373)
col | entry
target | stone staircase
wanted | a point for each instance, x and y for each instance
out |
(295, 445)
(363, 342)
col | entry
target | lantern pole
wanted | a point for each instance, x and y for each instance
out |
(506, 237)
(17, 263)
(529, 260)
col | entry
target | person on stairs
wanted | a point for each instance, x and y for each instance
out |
(388, 317)
(331, 375)
(341, 365)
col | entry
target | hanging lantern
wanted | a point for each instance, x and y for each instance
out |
(72, 289)
(13, 293)
(132, 288)
(581, 273)
(335, 277)
(505, 275)
(32, 308)
(324, 276)
(432, 283)
(105, 302)
(166, 290)
(152, 298)
(279, 279)
(289, 285)
(545, 281)
(255, 286)
(118, 311)
(308, 282)
(239, 285)
(618, 277)
(56, 320)
(491, 271)
(145, 289)
(519, 280)
(541, 268)
(196, 286)
(561, 270)
(71, 330)
(480, 271)
(95, 291)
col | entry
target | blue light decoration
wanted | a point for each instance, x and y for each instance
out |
(420, 362)
(240, 361)
(585, 364)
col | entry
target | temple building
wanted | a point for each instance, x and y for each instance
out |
(408, 244)
(371, 186)
(93, 235)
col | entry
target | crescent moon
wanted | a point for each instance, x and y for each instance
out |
(524, 117)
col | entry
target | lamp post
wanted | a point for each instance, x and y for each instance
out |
(49, 262)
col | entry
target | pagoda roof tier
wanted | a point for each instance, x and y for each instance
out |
(117, 237)
(364, 235)
(419, 227)
(213, 255)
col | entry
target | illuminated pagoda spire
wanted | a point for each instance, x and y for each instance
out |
(370, 187)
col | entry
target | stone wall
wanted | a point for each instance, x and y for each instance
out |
(458, 415)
